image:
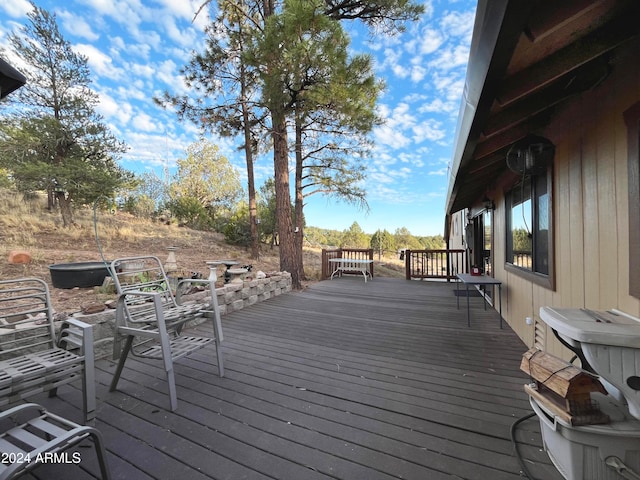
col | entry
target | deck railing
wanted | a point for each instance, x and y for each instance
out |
(435, 264)
(352, 253)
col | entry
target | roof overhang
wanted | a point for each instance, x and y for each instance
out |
(526, 59)
(10, 79)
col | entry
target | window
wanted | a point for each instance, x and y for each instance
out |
(632, 119)
(529, 233)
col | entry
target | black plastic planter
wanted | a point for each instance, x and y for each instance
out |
(79, 274)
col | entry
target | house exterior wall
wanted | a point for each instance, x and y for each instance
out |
(458, 222)
(590, 207)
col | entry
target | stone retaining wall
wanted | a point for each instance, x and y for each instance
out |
(231, 297)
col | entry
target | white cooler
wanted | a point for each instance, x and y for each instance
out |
(579, 453)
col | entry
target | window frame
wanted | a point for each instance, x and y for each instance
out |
(632, 120)
(546, 280)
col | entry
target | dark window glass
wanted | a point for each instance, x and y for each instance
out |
(528, 224)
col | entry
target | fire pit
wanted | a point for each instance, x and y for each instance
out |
(78, 274)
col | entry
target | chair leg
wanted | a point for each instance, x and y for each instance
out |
(219, 355)
(89, 384)
(173, 395)
(123, 357)
(167, 360)
(101, 453)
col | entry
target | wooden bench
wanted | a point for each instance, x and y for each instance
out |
(33, 359)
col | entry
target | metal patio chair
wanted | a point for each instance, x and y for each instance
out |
(33, 358)
(150, 318)
(31, 436)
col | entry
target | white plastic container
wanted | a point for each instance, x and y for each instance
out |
(610, 342)
(579, 453)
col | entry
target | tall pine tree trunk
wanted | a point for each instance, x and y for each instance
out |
(65, 209)
(299, 199)
(290, 257)
(251, 187)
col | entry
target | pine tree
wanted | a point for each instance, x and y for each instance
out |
(53, 139)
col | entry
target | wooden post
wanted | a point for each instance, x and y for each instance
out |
(407, 264)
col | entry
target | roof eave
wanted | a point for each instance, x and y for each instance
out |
(10, 79)
(498, 26)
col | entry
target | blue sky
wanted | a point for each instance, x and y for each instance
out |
(136, 48)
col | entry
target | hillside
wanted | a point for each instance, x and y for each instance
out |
(27, 225)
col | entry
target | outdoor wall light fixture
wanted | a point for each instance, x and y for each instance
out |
(487, 203)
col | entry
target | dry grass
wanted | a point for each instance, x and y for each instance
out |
(27, 225)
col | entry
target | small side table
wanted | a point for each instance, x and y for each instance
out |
(469, 279)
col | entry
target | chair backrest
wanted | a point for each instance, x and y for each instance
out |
(141, 274)
(26, 317)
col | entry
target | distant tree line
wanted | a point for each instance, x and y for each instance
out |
(381, 241)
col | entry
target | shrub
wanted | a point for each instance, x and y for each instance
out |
(191, 213)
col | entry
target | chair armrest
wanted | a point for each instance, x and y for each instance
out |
(138, 293)
(125, 303)
(213, 304)
(21, 408)
(76, 334)
(152, 313)
(188, 281)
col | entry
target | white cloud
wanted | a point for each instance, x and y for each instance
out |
(112, 109)
(417, 73)
(400, 71)
(392, 61)
(396, 121)
(456, 88)
(430, 41)
(168, 72)
(451, 57)
(144, 122)
(459, 24)
(144, 71)
(16, 8)
(126, 12)
(77, 26)
(415, 97)
(428, 129)
(182, 9)
(429, 10)
(387, 135)
(185, 37)
(141, 50)
(438, 105)
(151, 38)
(132, 92)
(100, 63)
(381, 178)
(411, 158)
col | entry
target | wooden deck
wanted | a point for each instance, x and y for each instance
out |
(345, 380)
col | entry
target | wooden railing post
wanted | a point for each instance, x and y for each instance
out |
(407, 264)
(324, 262)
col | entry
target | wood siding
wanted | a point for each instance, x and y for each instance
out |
(590, 207)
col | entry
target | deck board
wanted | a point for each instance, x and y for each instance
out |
(344, 380)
